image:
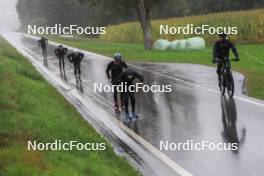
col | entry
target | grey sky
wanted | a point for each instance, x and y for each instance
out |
(8, 14)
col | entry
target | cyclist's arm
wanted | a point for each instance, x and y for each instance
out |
(69, 58)
(65, 51)
(234, 50)
(125, 65)
(215, 51)
(81, 56)
(108, 68)
(138, 76)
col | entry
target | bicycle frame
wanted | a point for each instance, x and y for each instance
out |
(226, 78)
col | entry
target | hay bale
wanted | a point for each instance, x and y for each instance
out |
(161, 44)
(195, 43)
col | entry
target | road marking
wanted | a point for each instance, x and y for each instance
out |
(172, 164)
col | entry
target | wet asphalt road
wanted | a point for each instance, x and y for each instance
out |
(189, 112)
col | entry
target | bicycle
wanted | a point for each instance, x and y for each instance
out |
(226, 80)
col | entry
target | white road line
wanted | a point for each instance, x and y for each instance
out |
(172, 164)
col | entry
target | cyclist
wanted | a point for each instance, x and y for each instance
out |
(127, 77)
(76, 58)
(60, 52)
(116, 67)
(221, 51)
(43, 44)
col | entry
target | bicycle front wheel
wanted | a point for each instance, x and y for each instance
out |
(222, 84)
(230, 86)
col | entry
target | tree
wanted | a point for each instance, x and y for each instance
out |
(143, 10)
(121, 7)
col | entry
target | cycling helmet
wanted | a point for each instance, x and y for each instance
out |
(117, 57)
(222, 35)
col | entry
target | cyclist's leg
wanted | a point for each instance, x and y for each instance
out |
(126, 97)
(75, 71)
(133, 101)
(44, 50)
(60, 63)
(122, 101)
(218, 71)
(63, 63)
(79, 70)
(228, 65)
(115, 97)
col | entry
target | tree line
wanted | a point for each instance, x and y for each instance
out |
(108, 12)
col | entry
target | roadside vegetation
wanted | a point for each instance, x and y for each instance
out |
(30, 109)
(250, 27)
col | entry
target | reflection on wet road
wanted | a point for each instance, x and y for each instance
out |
(229, 119)
(187, 113)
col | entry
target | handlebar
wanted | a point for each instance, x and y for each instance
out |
(217, 60)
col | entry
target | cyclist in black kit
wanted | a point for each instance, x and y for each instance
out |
(127, 77)
(221, 51)
(76, 58)
(43, 44)
(61, 52)
(116, 67)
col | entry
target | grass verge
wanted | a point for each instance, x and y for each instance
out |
(30, 109)
(251, 64)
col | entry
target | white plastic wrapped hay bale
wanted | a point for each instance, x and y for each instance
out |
(195, 43)
(161, 44)
(181, 45)
(173, 45)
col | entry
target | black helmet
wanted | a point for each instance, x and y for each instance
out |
(60, 46)
(222, 35)
(117, 57)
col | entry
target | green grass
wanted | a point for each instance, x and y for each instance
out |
(251, 64)
(30, 109)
